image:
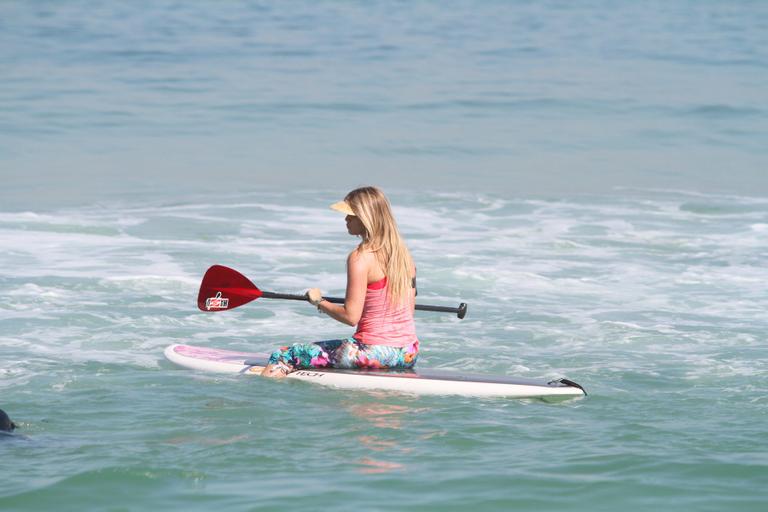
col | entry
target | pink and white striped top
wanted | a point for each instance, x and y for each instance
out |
(382, 323)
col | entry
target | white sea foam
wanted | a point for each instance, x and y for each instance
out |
(539, 275)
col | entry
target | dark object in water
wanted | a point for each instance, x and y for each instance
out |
(6, 425)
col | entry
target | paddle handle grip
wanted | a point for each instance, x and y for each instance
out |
(460, 311)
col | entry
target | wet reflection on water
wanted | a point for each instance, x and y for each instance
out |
(387, 445)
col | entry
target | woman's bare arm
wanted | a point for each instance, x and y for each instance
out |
(357, 282)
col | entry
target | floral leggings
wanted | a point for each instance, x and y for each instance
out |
(345, 353)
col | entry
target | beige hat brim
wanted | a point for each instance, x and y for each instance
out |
(343, 207)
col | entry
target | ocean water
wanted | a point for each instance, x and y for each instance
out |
(590, 177)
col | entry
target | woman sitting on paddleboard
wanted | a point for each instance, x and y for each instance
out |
(380, 298)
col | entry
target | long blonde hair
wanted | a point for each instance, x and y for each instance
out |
(383, 239)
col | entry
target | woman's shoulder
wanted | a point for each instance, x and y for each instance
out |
(365, 262)
(361, 256)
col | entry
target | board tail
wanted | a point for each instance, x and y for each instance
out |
(568, 382)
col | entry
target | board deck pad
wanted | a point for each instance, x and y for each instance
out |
(421, 381)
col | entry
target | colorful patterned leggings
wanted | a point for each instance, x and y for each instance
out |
(345, 353)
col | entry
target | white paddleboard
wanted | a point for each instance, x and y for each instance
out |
(420, 382)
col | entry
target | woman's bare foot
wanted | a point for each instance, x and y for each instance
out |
(276, 371)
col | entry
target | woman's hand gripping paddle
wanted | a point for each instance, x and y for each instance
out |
(225, 288)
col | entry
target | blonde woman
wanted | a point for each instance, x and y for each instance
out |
(380, 297)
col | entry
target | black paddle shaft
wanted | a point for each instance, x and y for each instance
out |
(460, 311)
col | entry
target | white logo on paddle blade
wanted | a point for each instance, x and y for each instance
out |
(217, 302)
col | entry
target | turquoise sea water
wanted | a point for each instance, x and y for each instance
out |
(589, 176)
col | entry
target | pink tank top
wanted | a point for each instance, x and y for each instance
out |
(384, 324)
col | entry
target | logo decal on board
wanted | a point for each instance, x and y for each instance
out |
(217, 302)
(303, 373)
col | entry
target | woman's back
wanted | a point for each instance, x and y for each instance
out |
(385, 323)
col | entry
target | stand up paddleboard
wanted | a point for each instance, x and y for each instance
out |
(420, 382)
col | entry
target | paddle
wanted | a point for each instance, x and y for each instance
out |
(225, 288)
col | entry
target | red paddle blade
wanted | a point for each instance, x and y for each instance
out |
(225, 288)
